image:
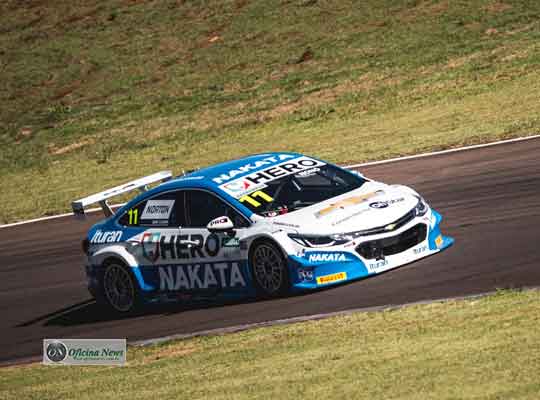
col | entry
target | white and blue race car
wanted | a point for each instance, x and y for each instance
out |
(263, 225)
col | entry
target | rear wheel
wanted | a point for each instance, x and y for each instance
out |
(269, 269)
(119, 288)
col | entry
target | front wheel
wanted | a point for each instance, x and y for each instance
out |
(269, 269)
(119, 288)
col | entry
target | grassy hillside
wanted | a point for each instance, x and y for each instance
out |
(477, 349)
(93, 93)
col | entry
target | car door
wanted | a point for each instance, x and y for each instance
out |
(175, 250)
(206, 261)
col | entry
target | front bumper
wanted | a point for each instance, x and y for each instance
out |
(320, 267)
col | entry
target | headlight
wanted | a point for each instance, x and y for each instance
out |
(319, 241)
(421, 207)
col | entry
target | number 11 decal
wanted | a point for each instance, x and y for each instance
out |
(133, 216)
(251, 198)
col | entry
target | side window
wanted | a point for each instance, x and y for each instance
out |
(202, 207)
(166, 209)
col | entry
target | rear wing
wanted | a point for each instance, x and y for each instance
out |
(101, 197)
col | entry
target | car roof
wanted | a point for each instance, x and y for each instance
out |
(205, 177)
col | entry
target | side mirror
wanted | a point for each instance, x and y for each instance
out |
(220, 224)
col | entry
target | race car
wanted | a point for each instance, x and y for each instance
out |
(263, 225)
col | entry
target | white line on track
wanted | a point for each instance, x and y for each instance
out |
(436, 153)
(391, 160)
(30, 221)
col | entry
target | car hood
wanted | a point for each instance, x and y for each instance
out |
(373, 205)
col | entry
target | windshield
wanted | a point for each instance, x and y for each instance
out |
(292, 192)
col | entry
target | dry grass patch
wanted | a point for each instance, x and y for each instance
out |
(497, 7)
(70, 147)
(424, 8)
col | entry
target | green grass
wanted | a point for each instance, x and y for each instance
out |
(95, 93)
(486, 348)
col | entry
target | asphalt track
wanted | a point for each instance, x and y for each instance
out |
(489, 198)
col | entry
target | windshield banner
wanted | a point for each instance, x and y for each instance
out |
(257, 180)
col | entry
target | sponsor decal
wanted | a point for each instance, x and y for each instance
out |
(157, 246)
(433, 220)
(150, 246)
(384, 204)
(218, 221)
(379, 204)
(326, 257)
(439, 241)
(182, 246)
(160, 223)
(257, 180)
(157, 209)
(305, 275)
(394, 201)
(307, 173)
(106, 237)
(348, 217)
(340, 276)
(377, 266)
(347, 202)
(286, 224)
(420, 250)
(231, 242)
(201, 276)
(250, 167)
(242, 187)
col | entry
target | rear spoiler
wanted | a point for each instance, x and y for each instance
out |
(101, 197)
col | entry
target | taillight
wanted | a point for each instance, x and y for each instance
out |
(85, 245)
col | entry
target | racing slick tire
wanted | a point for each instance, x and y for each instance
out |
(119, 291)
(268, 269)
